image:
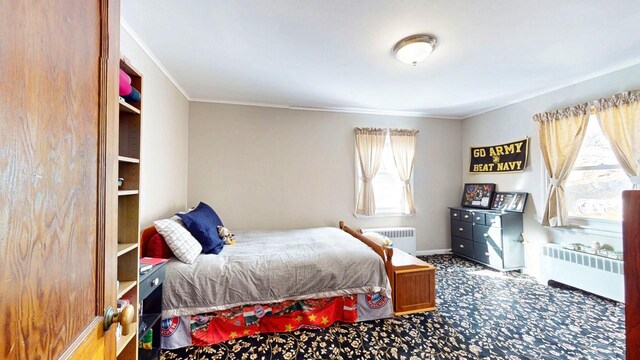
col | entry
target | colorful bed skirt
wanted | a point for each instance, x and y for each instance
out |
(286, 316)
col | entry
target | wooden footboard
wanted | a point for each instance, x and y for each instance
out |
(386, 253)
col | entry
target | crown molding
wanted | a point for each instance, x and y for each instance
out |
(551, 89)
(348, 110)
(136, 38)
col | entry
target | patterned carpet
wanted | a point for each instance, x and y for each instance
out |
(482, 314)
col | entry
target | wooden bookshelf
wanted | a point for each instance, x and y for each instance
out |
(130, 116)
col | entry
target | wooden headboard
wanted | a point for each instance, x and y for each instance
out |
(147, 233)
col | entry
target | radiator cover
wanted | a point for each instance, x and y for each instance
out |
(404, 238)
(591, 273)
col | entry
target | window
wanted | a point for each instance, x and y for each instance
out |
(594, 186)
(386, 184)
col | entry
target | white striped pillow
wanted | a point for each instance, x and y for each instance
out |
(184, 246)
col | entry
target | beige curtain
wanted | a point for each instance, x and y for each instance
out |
(403, 146)
(619, 118)
(369, 146)
(561, 134)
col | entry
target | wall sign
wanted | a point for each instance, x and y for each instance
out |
(505, 158)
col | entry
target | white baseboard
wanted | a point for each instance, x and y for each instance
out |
(433, 252)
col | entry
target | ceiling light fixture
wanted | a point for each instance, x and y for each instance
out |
(414, 48)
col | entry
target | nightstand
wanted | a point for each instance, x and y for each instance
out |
(414, 284)
(151, 297)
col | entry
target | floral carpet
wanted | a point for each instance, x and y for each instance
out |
(482, 314)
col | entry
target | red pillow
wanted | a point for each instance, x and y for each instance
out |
(158, 248)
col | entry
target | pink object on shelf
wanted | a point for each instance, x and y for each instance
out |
(125, 83)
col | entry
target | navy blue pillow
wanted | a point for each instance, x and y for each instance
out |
(202, 223)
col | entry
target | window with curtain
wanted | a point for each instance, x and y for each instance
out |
(392, 195)
(596, 181)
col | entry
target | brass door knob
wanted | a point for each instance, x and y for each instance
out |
(125, 318)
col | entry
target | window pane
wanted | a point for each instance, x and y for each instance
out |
(388, 193)
(387, 186)
(595, 149)
(596, 193)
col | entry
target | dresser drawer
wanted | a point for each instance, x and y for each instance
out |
(461, 229)
(488, 234)
(487, 254)
(478, 218)
(151, 281)
(454, 214)
(462, 246)
(466, 216)
(493, 220)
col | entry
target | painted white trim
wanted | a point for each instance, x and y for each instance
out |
(578, 80)
(126, 27)
(351, 110)
(433, 252)
(347, 110)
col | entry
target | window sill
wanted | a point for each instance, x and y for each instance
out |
(383, 215)
(591, 226)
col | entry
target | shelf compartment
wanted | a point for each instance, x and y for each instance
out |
(128, 225)
(146, 323)
(125, 286)
(128, 108)
(128, 264)
(125, 248)
(149, 354)
(125, 340)
(129, 135)
(130, 172)
(136, 80)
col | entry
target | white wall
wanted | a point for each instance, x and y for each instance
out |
(515, 122)
(269, 168)
(163, 177)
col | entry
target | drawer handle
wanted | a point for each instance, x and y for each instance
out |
(155, 282)
(461, 246)
(460, 229)
(486, 254)
(466, 216)
(455, 215)
(478, 218)
(485, 234)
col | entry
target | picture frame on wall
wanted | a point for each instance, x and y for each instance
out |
(510, 201)
(478, 195)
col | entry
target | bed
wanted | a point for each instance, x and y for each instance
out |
(275, 281)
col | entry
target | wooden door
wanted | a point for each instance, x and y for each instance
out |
(631, 248)
(58, 95)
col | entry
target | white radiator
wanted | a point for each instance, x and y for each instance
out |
(404, 238)
(591, 273)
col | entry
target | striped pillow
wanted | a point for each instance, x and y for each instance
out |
(183, 245)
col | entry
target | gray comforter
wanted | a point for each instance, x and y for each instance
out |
(271, 266)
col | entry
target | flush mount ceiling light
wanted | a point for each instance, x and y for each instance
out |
(414, 48)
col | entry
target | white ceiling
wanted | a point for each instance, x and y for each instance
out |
(336, 54)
